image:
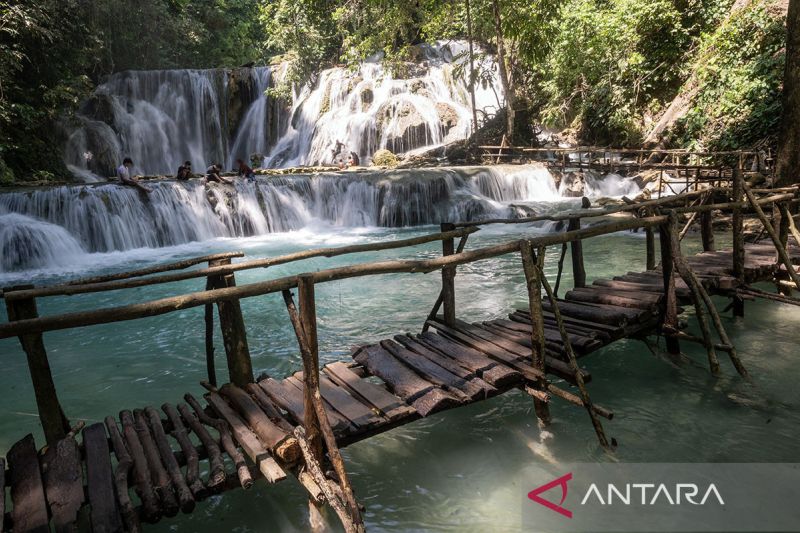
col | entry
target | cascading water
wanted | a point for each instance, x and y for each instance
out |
(58, 223)
(373, 109)
(27, 243)
(164, 117)
(161, 118)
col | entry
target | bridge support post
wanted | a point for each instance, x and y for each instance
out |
(51, 416)
(449, 278)
(240, 367)
(531, 266)
(738, 238)
(315, 418)
(707, 231)
(650, 243)
(212, 282)
(669, 322)
(576, 248)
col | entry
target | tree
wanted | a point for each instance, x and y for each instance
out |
(788, 157)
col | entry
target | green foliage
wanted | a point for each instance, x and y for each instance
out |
(384, 158)
(738, 76)
(612, 61)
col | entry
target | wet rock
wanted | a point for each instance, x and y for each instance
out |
(404, 126)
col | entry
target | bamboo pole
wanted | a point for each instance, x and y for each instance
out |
(782, 253)
(560, 267)
(578, 268)
(438, 304)
(212, 282)
(234, 337)
(311, 381)
(650, 244)
(670, 306)
(315, 470)
(738, 238)
(573, 363)
(51, 416)
(691, 280)
(533, 284)
(712, 310)
(448, 279)
(792, 226)
(707, 231)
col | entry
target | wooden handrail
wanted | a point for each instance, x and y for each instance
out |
(588, 213)
(175, 303)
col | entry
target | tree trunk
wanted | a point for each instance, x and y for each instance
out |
(472, 75)
(788, 158)
(504, 77)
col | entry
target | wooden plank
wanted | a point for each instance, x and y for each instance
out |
(447, 363)
(583, 343)
(248, 440)
(277, 440)
(285, 396)
(421, 394)
(339, 424)
(457, 386)
(63, 483)
(105, 515)
(488, 369)
(355, 411)
(600, 297)
(523, 365)
(612, 332)
(29, 507)
(384, 401)
(596, 313)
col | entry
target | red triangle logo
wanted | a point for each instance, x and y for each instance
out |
(562, 482)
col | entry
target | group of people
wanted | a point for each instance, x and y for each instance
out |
(213, 173)
(338, 156)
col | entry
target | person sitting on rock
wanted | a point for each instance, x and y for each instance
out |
(212, 174)
(124, 175)
(185, 171)
(353, 161)
(245, 171)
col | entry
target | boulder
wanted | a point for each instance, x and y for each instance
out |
(403, 126)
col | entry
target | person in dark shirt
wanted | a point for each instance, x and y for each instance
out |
(245, 171)
(185, 171)
(212, 174)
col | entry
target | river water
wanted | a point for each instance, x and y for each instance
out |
(460, 470)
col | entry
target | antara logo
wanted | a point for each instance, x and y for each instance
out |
(629, 494)
(562, 482)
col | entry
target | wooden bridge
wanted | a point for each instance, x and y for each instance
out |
(146, 463)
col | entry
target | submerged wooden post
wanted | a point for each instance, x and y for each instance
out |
(533, 283)
(573, 364)
(670, 305)
(650, 243)
(578, 270)
(308, 319)
(212, 282)
(51, 416)
(707, 231)
(314, 408)
(738, 238)
(240, 367)
(449, 278)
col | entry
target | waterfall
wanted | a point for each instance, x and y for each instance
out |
(161, 118)
(50, 226)
(27, 243)
(372, 108)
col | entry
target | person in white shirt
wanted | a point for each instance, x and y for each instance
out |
(124, 175)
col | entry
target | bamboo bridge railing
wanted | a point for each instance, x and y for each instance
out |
(316, 435)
